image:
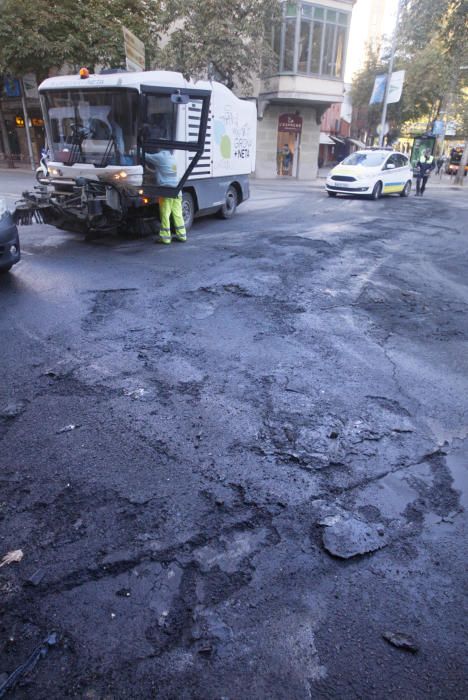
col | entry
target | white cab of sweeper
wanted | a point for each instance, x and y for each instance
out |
(97, 126)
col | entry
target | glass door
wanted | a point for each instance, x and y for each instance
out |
(166, 136)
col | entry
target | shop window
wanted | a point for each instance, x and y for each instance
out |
(289, 137)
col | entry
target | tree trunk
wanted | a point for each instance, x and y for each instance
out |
(6, 142)
(460, 176)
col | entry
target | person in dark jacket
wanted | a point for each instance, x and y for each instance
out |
(424, 166)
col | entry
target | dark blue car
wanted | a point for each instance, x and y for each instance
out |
(9, 240)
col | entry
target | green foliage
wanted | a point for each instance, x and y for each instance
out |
(224, 40)
(418, 20)
(212, 37)
(446, 20)
(39, 35)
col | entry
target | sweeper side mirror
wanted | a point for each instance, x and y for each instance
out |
(179, 99)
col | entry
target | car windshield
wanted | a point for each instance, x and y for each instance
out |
(367, 160)
(92, 126)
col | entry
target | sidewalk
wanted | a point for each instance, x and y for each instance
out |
(440, 182)
(23, 170)
(446, 182)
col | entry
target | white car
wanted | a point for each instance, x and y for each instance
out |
(371, 172)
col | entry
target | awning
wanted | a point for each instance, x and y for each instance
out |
(325, 139)
(337, 139)
(356, 142)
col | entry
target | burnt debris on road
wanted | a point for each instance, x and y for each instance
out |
(237, 468)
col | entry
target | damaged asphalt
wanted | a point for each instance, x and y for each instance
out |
(237, 468)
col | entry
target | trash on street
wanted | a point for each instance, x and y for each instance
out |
(14, 556)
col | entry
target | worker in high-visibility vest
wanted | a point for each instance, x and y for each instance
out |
(166, 175)
(424, 166)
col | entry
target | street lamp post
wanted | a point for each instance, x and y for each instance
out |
(389, 77)
(26, 125)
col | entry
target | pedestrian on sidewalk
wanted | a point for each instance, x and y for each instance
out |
(440, 163)
(164, 162)
(424, 166)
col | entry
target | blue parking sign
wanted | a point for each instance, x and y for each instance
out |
(12, 87)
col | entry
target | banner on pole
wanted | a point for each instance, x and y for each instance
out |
(134, 51)
(378, 92)
(394, 91)
(438, 127)
(451, 129)
(396, 86)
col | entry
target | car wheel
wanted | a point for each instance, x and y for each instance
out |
(406, 189)
(188, 210)
(229, 207)
(331, 194)
(377, 191)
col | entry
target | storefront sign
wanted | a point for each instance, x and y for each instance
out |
(291, 123)
(19, 121)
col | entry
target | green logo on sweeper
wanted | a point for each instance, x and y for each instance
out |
(222, 139)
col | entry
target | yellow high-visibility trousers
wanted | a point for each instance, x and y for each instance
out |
(171, 206)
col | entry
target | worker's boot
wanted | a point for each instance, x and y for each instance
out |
(164, 236)
(180, 233)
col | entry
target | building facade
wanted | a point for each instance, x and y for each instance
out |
(310, 46)
(14, 150)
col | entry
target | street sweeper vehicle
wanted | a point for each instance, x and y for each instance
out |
(102, 131)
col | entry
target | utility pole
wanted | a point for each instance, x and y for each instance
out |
(389, 77)
(447, 105)
(26, 126)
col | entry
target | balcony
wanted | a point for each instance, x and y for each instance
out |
(310, 44)
(301, 90)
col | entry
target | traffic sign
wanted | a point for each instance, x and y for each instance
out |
(386, 128)
(134, 51)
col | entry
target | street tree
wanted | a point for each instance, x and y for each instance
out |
(426, 79)
(42, 35)
(460, 107)
(220, 40)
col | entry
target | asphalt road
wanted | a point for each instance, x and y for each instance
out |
(234, 465)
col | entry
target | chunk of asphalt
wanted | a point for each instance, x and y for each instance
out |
(13, 410)
(349, 537)
(36, 578)
(401, 641)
